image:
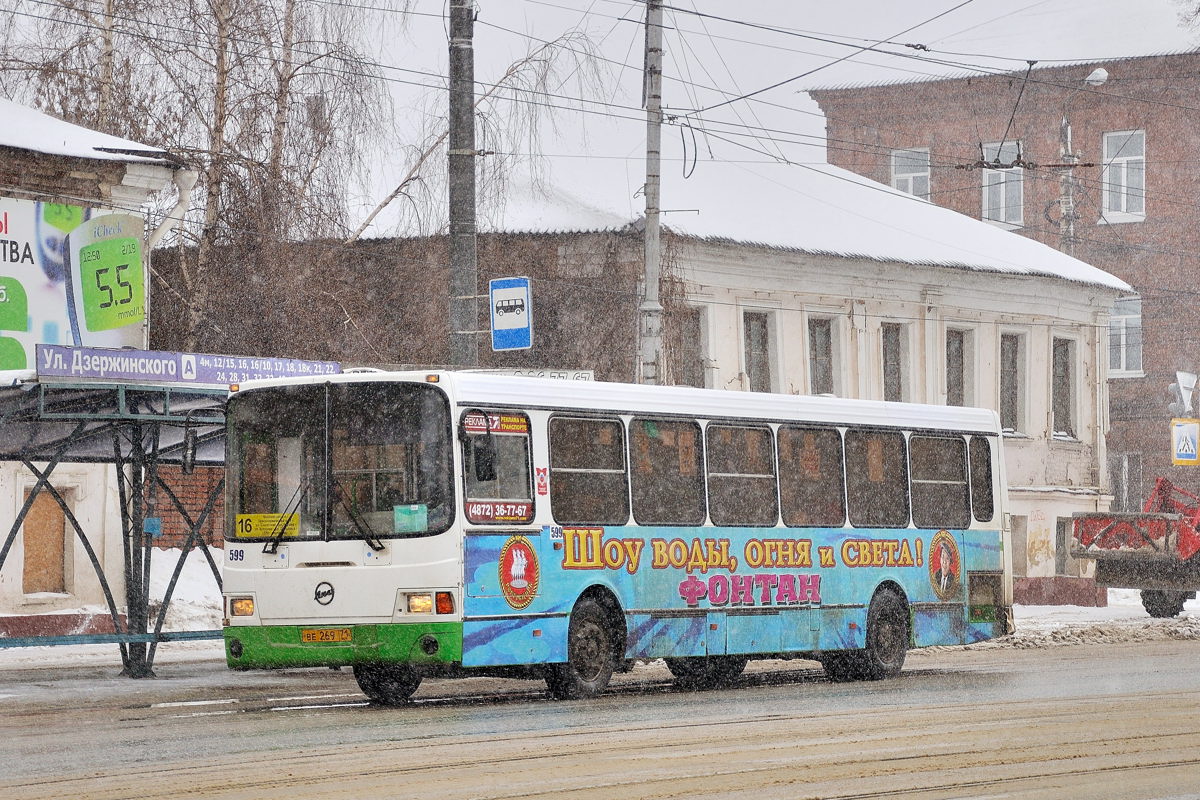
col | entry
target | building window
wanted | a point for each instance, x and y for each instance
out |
(820, 355)
(960, 367)
(1062, 390)
(895, 361)
(1003, 189)
(45, 541)
(757, 337)
(692, 360)
(1124, 176)
(1125, 338)
(1012, 375)
(910, 172)
(1125, 476)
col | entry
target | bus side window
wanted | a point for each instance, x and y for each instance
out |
(876, 479)
(741, 475)
(810, 477)
(496, 466)
(668, 478)
(981, 479)
(588, 481)
(938, 465)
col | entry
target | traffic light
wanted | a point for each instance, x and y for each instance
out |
(1181, 394)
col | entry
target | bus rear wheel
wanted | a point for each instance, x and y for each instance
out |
(706, 672)
(1163, 604)
(887, 644)
(591, 654)
(387, 684)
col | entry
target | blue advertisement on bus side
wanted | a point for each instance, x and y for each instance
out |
(698, 591)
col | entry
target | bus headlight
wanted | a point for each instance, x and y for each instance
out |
(420, 604)
(241, 606)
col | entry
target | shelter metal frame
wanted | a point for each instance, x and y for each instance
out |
(135, 427)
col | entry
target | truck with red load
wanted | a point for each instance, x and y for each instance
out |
(1154, 550)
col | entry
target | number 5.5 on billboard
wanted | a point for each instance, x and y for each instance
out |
(107, 277)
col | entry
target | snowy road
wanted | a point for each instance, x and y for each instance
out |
(1115, 720)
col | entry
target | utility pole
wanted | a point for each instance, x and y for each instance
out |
(464, 271)
(650, 311)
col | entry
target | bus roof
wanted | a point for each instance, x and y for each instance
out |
(487, 390)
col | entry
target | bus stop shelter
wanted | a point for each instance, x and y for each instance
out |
(135, 427)
(136, 411)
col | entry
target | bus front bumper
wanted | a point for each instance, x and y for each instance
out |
(282, 646)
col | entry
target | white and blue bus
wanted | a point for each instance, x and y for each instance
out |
(459, 523)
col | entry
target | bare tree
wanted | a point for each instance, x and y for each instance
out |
(277, 108)
(272, 101)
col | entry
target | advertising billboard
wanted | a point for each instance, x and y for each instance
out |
(69, 275)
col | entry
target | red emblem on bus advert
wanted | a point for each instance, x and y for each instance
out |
(519, 572)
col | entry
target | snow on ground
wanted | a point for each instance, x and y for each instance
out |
(195, 605)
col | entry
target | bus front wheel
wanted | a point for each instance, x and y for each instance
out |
(591, 654)
(887, 643)
(387, 684)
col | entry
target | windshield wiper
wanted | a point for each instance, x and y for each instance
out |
(285, 519)
(361, 526)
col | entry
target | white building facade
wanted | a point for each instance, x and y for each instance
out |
(1032, 347)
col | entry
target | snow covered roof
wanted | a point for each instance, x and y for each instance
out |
(811, 208)
(26, 128)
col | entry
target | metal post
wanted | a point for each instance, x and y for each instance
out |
(464, 277)
(1069, 159)
(136, 587)
(651, 309)
(1066, 221)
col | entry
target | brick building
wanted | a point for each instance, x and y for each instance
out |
(1095, 159)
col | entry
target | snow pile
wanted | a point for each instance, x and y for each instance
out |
(195, 605)
(1124, 620)
(196, 600)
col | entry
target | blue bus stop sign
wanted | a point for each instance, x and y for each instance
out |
(512, 313)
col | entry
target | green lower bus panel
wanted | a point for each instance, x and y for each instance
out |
(278, 646)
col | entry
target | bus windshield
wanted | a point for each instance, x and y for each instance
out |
(363, 461)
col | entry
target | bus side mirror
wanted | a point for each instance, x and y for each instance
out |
(483, 456)
(188, 463)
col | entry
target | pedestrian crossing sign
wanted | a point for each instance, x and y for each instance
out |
(1185, 441)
